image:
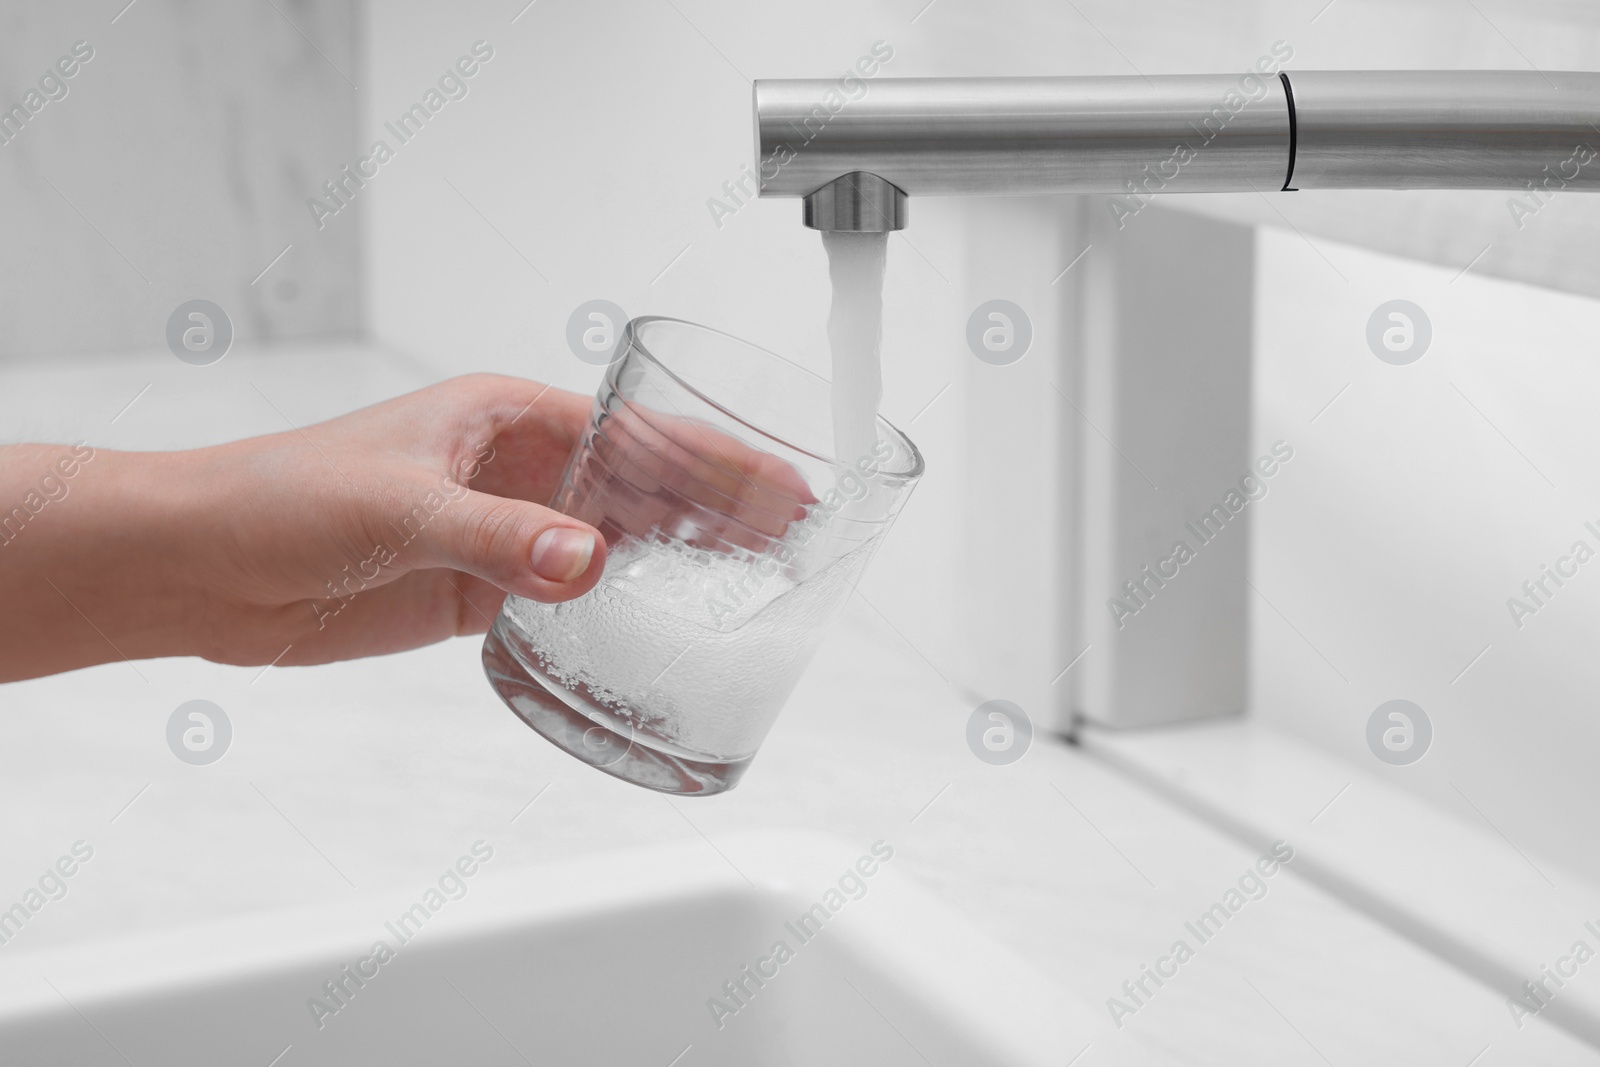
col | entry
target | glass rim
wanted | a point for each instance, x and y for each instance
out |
(633, 343)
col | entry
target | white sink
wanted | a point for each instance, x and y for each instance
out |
(612, 959)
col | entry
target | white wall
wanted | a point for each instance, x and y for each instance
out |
(1415, 506)
(175, 167)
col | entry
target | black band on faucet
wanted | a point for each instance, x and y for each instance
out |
(1294, 134)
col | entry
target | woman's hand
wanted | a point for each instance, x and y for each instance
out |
(382, 530)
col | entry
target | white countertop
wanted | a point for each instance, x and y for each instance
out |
(373, 773)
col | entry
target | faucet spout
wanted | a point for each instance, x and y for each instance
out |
(858, 202)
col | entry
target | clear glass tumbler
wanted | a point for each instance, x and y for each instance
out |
(732, 538)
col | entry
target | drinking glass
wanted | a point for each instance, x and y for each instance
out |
(733, 535)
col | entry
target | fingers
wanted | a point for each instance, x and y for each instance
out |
(645, 471)
(524, 548)
(414, 610)
(529, 430)
(752, 476)
(650, 471)
(668, 467)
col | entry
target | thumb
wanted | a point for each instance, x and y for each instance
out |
(525, 549)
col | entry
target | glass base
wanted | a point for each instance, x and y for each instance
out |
(593, 737)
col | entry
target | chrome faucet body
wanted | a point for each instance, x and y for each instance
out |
(1137, 136)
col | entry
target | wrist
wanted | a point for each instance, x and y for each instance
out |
(96, 554)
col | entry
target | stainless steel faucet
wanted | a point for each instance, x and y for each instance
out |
(855, 164)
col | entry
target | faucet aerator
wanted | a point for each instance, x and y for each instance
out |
(858, 202)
